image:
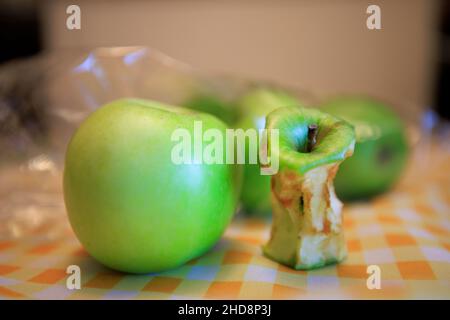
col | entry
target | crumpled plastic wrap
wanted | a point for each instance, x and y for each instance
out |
(44, 99)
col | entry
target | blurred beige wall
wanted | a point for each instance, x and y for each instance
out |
(323, 46)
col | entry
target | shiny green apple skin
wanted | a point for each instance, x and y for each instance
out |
(381, 149)
(253, 108)
(130, 206)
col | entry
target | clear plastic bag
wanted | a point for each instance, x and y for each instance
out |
(44, 99)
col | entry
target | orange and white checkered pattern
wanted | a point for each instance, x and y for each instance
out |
(405, 232)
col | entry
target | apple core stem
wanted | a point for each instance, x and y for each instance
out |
(312, 136)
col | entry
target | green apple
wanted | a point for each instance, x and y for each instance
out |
(307, 222)
(253, 108)
(381, 147)
(212, 104)
(130, 205)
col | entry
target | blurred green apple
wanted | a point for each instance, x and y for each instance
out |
(381, 147)
(253, 108)
(212, 104)
(130, 205)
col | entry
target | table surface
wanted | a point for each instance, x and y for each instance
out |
(406, 232)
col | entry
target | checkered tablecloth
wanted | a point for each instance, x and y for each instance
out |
(405, 232)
